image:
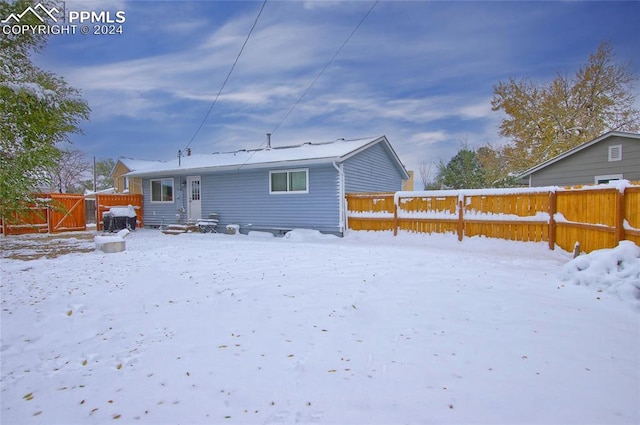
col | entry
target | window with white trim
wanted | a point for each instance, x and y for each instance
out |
(607, 178)
(162, 190)
(289, 181)
(615, 153)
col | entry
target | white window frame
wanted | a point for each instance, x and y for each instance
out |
(612, 150)
(289, 191)
(607, 177)
(173, 190)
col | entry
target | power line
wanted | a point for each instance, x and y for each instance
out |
(344, 43)
(325, 67)
(228, 75)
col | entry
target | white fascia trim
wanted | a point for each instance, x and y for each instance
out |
(235, 167)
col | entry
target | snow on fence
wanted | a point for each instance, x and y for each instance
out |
(56, 212)
(61, 212)
(105, 202)
(595, 216)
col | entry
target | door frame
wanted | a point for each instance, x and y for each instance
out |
(190, 179)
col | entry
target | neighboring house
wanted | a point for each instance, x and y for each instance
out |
(612, 156)
(408, 184)
(125, 184)
(274, 189)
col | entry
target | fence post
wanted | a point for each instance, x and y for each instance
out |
(620, 234)
(460, 219)
(49, 223)
(395, 215)
(552, 221)
(98, 221)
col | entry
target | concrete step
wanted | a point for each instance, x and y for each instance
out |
(176, 229)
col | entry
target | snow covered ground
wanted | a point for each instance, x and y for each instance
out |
(217, 329)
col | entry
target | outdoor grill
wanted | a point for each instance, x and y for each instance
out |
(118, 218)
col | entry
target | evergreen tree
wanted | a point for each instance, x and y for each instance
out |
(463, 171)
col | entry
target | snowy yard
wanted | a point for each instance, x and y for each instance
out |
(219, 329)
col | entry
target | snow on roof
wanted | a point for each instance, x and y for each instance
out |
(306, 153)
(92, 194)
(133, 164)
(137, 164)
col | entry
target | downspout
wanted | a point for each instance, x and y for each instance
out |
(341, 195)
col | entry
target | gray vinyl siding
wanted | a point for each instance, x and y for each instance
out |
(156, 213)
(372, 170)
(584, 165)
(242, 197)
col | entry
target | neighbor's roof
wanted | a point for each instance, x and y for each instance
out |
(297, 155)
(137, 164)
(132, 164)
(578, 148)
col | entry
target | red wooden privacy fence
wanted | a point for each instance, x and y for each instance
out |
(104, 202)
(596, 217)
(60, 212)
(57, 212)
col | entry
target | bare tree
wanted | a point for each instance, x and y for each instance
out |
(66, 175)
(425, 174)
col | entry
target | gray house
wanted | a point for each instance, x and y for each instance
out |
(612, 156)
(274, 189)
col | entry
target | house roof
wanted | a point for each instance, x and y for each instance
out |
(634, 136)
(296, 155)
(132, 164)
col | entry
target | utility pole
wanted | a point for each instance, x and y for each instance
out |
(95, 177)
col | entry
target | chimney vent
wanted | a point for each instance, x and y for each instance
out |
(268, 140)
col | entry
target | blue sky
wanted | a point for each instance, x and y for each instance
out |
(421, 73)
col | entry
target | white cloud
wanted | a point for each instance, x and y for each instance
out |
(420, 72)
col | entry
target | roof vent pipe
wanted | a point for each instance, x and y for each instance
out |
(268, 140)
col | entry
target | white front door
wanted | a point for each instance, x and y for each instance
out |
(194, 211)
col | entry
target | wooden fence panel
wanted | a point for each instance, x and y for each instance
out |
(370, 202)
(66, 213)
(514, 216)
(375, 224)
(632, 214)
(511, 230)
(587, 217)
(578, 206)
(106, 201)
(428, 225)
(35, 220)
(60, 212)
(371, 211)
(428, 214)
(422, 204)
(595, 217)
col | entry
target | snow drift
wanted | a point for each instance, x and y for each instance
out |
(615, 270)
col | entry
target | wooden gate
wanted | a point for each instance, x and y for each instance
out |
(55, 212)
(66, 213)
